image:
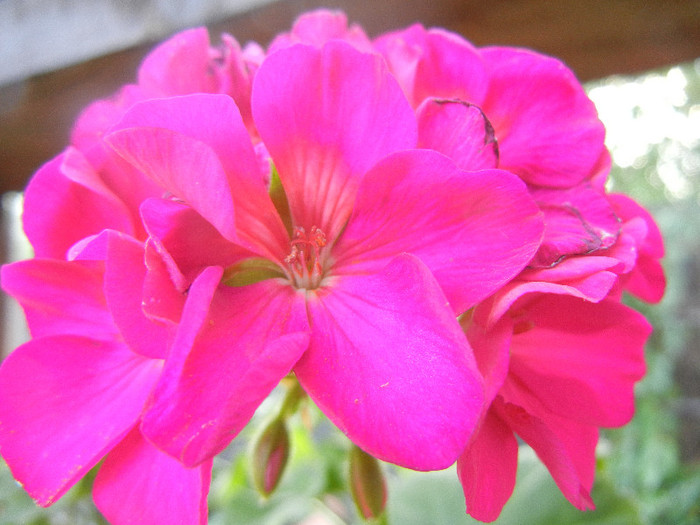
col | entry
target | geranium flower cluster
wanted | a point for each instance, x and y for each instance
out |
(415, 229)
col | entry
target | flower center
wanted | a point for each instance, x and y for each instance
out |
(305, 259)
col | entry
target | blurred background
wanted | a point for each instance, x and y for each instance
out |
(640, 62)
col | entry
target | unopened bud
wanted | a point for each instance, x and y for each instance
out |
(367, 484)
(270, 455)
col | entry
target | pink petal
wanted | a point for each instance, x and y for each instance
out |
(188, 142)
(95, 247)
(66, 401)
(162, 299)
(487, 469)
(59, 212)
(475, 232)
(60, 297)
(326, 116)
(179, 66)
(125, 272)
(231, 350)
(188, 169)
(77, 168)
(237, 68)
(566, 448)
(434, 63)
(126, 182)
(627, 209)
(402, 51)
(580, 359)
(625, 249)
(390, 366)
(587, 278)
(571, 269)
(647, 281)
(459, 130)
(318, 27)
(578, 221)
(139, 483)
(547, 128)
(449, 68)
(491, 349)
(97, 118)
(182, 236)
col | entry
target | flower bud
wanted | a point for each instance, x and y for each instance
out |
(367, 484)
(270, 455)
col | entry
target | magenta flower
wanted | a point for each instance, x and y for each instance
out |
(556, 369)
(415, 228)
(90, 177)
(645, 277)
(351, 276)
(547, 129)
(74, 394)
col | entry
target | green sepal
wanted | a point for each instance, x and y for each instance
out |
(279, 198)
(251, 271)
(269, 457)
(367, 485)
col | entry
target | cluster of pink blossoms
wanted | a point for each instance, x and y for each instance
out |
(415, 228)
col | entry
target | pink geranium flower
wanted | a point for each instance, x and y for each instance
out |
(547, 129)
(351, 275)
(556, 369)
(645, 277)
(74, 394)
(330, 209)
(89, 176)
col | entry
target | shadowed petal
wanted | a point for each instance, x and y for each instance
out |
(182, 236)
(580, 359)
(390, 366)
(475, 232)
(565, 447)
(459, 130)
(125, 273)
(578, 221)
(487, 469)
(64, 402)
(646, 280)
(588, 278)
(137, 479)
(163, 300)
(491, 349)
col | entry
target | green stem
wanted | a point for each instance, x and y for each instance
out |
(381, 520)
(292, 399)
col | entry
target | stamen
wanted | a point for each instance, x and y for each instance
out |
(304, 258)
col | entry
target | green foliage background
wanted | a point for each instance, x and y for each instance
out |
(648, 471)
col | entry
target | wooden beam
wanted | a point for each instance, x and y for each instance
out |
(596, 38)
